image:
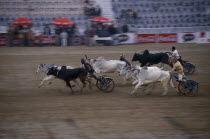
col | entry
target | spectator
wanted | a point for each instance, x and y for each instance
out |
(122, 13)
(86, 9)
(16, 30)
(91, 10)
(57, 33)
(57, 30)
(125, 28)
(97, 10)
(21, 37)
(86, 1)
(74, 33)
(87, 36)
(112, 30)
(10, 37)
(31, 37)
(91, 33)
(47, 30)
(134, 14)
(104, 32)
(64, 37)
(40, 39)
(25, 32)
(70, 35)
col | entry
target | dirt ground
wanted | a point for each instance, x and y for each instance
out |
(52, 112)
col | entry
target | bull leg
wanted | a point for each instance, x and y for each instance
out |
(82, 79)
(89, 81)
(150, 87)
(125, 80)
(50, 77)
(136, 87)
(140, 84)
(136, 81)
(165, 81)
(69, 85)
(172, 85)
(76, 82)
(165, 86)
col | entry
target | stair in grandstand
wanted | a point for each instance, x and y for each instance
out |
(106, 6)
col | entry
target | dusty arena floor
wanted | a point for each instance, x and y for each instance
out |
(52, 112)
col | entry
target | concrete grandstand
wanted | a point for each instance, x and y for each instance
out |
(140, 16)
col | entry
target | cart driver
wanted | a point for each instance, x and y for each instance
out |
(177, 67)
(89, 68)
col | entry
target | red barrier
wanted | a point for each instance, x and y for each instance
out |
(16, 41)
(157, 38)
(146, 38)
(3, 40)
(167, 38)
(44, 39)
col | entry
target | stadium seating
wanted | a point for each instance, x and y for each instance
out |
(151, 13)
(168, 13)
(42, 11)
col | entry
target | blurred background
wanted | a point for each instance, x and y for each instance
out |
(106, 22)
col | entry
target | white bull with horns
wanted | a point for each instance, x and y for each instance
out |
(101, 65)
(147, 75)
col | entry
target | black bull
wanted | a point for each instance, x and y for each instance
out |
(70, 74)
(147, 59)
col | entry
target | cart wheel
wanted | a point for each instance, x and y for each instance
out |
(189, 68)
(189, 88)
(108, 87)
(193, 87)
(182, 88)
(186, 69)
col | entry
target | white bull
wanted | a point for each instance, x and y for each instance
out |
(144, 76)
(101, 65)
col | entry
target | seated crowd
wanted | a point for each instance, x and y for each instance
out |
(61, 35)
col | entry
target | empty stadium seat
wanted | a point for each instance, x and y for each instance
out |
(179, 11)
(160, 13)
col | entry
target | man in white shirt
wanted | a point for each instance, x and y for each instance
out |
(64, 37)
(176, 54)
